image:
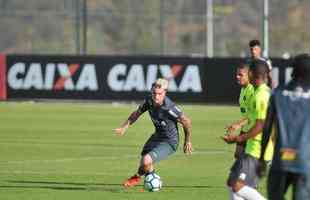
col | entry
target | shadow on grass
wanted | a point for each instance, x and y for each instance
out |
(63, 186)
(108, 187)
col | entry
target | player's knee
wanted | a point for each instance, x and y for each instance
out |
(229, 183)
(236, 186)
(147, 160)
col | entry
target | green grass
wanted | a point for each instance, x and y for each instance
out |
(68, 151)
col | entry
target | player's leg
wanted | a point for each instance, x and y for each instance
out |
(239, 148)
(160, 152)
(233, 177)
(153, 151)
(245, 179)
(302, 187)
(136, 178)
(277, 184)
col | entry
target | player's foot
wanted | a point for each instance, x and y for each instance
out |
(132, 181)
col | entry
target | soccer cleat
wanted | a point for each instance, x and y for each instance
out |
(132, 181)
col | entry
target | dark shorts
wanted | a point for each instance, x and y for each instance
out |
(158, 149)
(279, 181)
(245, 168)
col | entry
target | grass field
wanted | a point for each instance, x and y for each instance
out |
(68, 151)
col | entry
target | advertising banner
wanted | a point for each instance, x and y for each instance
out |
(3, 88)
(103, 77)
(127, 78)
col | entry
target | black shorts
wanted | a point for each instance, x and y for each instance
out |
(158, 149)
(245, 168)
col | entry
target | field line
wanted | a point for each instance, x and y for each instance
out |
(62, 160)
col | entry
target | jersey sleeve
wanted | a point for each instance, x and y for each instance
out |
(144, 106)
(174, 112)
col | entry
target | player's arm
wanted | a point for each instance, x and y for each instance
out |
(271, 82)
(267, 135)
(187, 128)
(254, 131)
(132, 118)
(261, 112)
(270, 120)
(236, 125)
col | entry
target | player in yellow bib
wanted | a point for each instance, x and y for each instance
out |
(243, 177)
(246, 93)
(257, 113)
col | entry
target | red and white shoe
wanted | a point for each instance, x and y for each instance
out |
(132, 181)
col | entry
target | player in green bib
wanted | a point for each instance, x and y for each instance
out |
(243, 177)
(258, 112)
(246, 93)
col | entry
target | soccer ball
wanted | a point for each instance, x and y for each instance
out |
(152, 182)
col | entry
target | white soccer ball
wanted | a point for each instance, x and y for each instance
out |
(152, 182)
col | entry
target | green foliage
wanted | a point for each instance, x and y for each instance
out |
(134, 27)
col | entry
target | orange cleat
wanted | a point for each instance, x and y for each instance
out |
(132, 181)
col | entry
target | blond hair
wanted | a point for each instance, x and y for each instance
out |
(161, 83)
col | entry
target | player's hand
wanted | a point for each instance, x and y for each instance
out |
(232, 128)
(187, 148)
(229, 138)
(120, 131)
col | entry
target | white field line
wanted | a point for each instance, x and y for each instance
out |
(68, 173)
(209, 152)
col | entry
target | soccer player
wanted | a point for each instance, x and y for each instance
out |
(243, 178)
(165, 115)
(256, 54)
(247, 90)
(288, 123)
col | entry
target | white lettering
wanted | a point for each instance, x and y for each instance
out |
(34, 77)
(13, 80)
(87, 78)
(191, 80)
(49, 76)
(151, 75)
(135, 79)
(113, 77)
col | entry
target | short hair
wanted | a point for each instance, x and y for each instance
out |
(259, 69)
(243, 65)
(254, 43)
(161, 83)
(301, 67)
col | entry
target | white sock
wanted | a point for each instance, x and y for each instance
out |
(233, 196)
(249, 193)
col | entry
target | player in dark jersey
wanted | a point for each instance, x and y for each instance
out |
(256, 54)
(165, 115)
(288, 124)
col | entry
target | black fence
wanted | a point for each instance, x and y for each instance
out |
(127, 78)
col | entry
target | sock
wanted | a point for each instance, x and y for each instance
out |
(249, 193)
(141, 171)
(151, 172)
(233, 196)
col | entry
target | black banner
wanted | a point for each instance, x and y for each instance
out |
(126, 78)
